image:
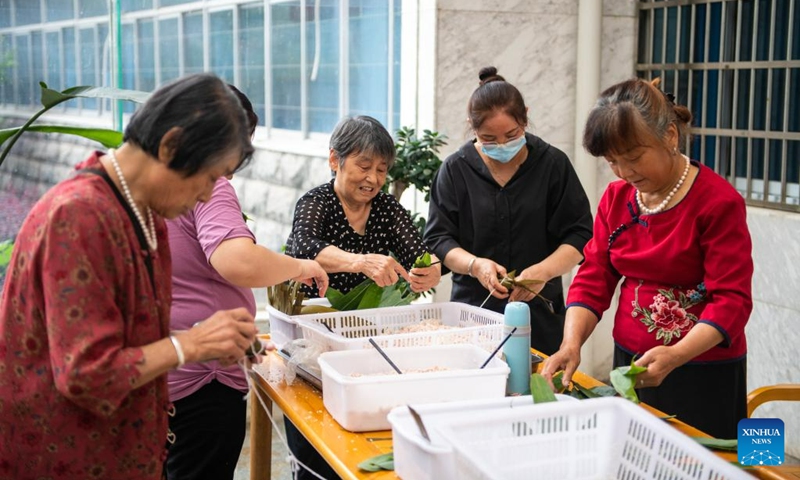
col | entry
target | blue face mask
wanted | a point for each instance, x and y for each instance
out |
(503, 152)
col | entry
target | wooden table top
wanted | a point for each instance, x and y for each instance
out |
(344, 450)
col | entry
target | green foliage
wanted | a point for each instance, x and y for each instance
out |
(6, 249)
(416, 161)
(423, 261)
(624, 380)
(369, 295)
(377, 463)
(725, 445)
(540, 389)
(50, 98)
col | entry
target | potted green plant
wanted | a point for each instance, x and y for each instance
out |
(416, 162)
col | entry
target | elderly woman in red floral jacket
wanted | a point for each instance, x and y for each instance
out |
(84, 319)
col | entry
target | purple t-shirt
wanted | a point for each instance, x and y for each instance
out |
(197, 289)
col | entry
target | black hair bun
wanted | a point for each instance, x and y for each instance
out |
(489, 74)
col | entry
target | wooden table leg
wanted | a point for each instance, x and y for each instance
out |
(260, 435)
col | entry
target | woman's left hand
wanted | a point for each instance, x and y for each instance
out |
(425, 278)
(660, 361)
(534, 272)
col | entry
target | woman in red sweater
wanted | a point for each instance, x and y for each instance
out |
(675, 233)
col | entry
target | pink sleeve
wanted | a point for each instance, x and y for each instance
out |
(220, 218)
(594, 285)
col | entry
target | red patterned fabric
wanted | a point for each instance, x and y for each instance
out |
(78, 305)
(692, 263)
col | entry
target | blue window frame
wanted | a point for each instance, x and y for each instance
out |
(304, 63)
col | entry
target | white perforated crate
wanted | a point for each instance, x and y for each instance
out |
(602, 438)
(352, 329)
(283, 328)
(417, 458)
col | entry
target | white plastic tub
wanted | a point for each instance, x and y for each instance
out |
(361, 403)
(416, 458)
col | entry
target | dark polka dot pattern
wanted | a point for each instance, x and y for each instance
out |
(320, 221)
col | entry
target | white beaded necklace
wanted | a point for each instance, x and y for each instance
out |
(661, 206)
(149, 233)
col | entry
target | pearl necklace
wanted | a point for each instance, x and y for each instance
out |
(661, 206)
(149, 233)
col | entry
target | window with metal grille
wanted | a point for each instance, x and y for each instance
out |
(736, 65)
(303, 63)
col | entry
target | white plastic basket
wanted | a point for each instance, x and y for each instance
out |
(361, 403)
(602, 438)
(283, 328)
(351, 330)
(416, 458)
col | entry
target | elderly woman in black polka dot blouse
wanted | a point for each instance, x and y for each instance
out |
(349, 226)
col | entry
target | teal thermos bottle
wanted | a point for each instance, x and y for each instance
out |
(517, 349)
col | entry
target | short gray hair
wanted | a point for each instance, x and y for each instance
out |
(362, 134)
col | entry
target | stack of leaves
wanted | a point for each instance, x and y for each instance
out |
(623, 381)
(577, 390)
(286, 297)
(368, 294)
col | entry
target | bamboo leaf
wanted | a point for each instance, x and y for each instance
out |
(585, 391)
(624, 384)
(624, 380)
(423, 261)
(377, 463)
(604, 391)
(575, 393)
(108, 138)
(371, 298)
(395, 296)
(351, 299)
(727, 445)
(334, 296)
(557, 382)
(540, 389)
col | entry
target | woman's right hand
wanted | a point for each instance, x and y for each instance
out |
(487, 271)
(566, 359)
(311, 270)
(224, 336)
(382, 269)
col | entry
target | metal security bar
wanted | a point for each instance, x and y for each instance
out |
(736, 65)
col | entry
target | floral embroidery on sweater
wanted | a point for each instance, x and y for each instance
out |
(667, 315)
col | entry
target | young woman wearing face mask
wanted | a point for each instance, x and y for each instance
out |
(507, 200)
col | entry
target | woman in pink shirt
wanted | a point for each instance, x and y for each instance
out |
(216, 262)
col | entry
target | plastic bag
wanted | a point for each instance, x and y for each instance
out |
(304, 353)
